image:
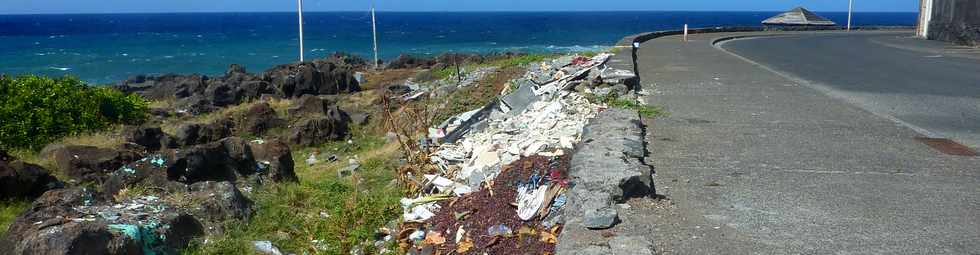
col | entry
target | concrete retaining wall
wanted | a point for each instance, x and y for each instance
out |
(606, 169)
(956, 21)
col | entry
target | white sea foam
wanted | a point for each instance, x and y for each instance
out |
(60, 68)
(555, 48)
(578, 48)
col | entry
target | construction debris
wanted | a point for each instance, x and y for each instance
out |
(485, 223)
(530, 130)
(411, 90)
(542, 117)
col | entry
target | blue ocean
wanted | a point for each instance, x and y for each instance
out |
(105, 48)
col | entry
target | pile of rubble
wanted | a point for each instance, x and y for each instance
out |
(543, 117)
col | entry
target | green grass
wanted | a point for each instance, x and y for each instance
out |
(9, 210)
(472, 97)
(291, 215)
(444, 73)
(521, 60)
(628, 103)
(644, 110)
(589, 54)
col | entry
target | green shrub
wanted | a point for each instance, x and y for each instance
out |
(37, 110)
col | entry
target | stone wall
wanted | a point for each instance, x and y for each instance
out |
(956, 21)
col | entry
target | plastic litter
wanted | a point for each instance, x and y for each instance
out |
(420, 209)
(359, 76)
(418, 235)
(459, 234)
(444, 185)
(311, 160)
(500, 230)
(128, 170)
(558, 202)
(529, 200)
(266, 248)
(261, 166)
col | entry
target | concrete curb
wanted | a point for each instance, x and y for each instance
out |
(607, 168)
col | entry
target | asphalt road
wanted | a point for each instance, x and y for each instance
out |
(933, 87)
(753, 161)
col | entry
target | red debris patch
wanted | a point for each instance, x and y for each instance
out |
(490, 208)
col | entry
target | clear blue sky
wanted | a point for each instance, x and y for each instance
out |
(116, 6)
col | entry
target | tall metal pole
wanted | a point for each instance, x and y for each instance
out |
(374, 31)
(299, 4)
(685, 32)
(850, 9)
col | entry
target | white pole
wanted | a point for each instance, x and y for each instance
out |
(374, 31)
(850, 9)
(685, 32)
(299, 4)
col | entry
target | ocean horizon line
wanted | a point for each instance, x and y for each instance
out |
(103, 48)
(424, 12)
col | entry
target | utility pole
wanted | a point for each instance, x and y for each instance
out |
(685, 32)
(299, 4)
(374, 30)
(850, 10)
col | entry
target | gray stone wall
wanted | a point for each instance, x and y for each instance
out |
(956, 21)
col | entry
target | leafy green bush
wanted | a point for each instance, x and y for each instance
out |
(36, 110)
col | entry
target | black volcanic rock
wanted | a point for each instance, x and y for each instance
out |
(89, 163)
(258, 119)
(19, 179)
(152, 138)
(275, 160)
(198, 94)
(311, 78)
(348, 61)
(405, 61)
(197, 133)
